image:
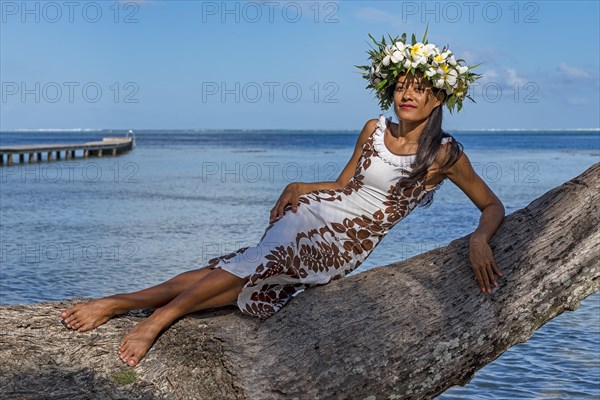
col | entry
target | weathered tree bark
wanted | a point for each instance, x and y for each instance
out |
(408, 330)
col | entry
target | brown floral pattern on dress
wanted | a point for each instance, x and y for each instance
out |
(282, 259)
(368, 151)
(357, 237)
(400, 202)
(323, 256)
(225, 258)
(270, 298)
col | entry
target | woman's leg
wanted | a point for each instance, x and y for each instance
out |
(85, 316)
(216, 289)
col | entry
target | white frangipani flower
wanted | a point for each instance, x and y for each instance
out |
(447, 74)
(430, 72)
(400, 46)
(440, 58)
(429, 50)
(416, 50)
(418, 61)
(376, 71)
(450, 77)
(392, 55)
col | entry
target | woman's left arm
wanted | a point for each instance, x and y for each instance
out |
(492, 214)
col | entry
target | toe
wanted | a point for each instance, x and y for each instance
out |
(130, 356)
(124, 354)
(132, 361)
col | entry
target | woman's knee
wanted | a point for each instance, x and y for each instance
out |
(230, 279)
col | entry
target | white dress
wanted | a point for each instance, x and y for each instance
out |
(331, 233)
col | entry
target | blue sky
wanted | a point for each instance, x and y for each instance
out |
(285, 64)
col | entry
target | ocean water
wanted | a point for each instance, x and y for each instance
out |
(117, 224)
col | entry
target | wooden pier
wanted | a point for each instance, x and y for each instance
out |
(108, 146)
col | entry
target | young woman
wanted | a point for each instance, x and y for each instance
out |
(322, 231)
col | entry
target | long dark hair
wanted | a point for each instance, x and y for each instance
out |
(429, 144)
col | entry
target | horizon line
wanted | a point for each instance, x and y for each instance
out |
(284, 130)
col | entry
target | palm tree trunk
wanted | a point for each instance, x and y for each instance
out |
(410, 329)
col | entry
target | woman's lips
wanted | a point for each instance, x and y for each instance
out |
(407, 107)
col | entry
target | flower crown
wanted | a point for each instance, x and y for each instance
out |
(439, 67)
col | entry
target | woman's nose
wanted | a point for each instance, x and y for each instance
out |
(405, 94)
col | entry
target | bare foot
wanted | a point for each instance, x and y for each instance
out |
(85, 316)
(138, 341)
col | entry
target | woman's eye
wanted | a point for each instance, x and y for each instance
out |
(419, 89)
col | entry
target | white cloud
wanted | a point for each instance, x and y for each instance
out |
(489, 75)
(513, 77)
(573, 72)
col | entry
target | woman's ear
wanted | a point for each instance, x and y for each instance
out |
(440, 97)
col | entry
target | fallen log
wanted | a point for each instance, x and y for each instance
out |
(408, 330)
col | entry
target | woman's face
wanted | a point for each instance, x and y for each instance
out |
(414, 99)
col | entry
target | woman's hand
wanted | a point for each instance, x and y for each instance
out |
(483, 263)
(289, 195)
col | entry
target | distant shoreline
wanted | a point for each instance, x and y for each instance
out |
(284, 131)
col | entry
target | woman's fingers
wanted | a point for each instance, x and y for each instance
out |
(275, 211)
(496, 269)
(486, 281)
(293, 200)
(491, 276)
(478, 277)
(481, 274)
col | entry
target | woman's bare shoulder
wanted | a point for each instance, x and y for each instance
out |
(369, 127)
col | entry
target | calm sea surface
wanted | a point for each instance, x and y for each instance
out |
(104, 225)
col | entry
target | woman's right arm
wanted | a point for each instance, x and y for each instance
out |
(295, 189)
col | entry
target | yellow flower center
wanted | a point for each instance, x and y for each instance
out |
(415, 50)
